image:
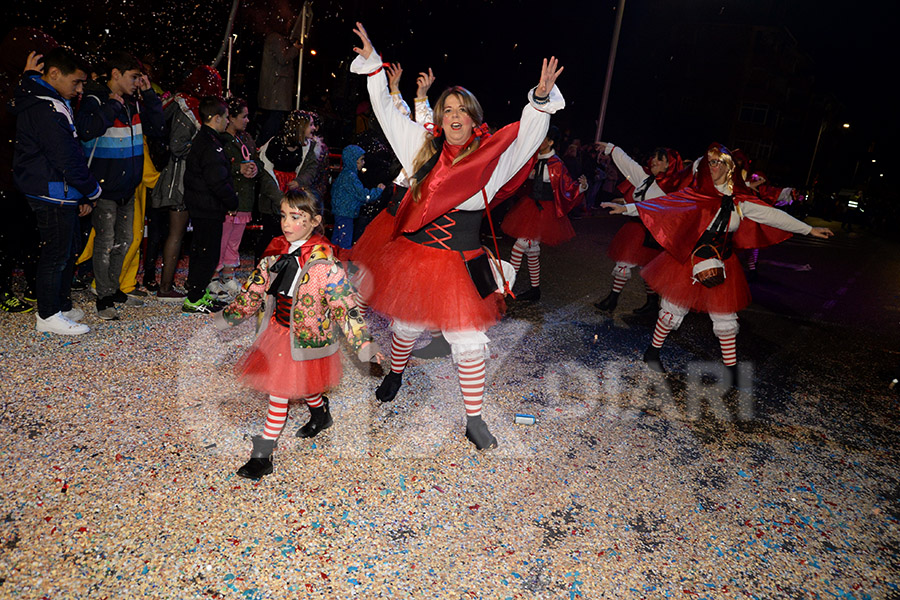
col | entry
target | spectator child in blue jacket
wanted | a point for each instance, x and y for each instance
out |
(348, 195)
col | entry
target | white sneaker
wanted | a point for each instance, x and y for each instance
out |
(76, 314)
(60, 325)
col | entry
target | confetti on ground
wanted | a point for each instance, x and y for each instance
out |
(120, 450)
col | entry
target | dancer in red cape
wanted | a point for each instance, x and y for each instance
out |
(540, 216)
(434, 274)
(699, 227)
(633, 246)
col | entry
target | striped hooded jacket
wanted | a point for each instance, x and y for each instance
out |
(112, 134)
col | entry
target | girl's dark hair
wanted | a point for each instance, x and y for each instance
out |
(302, 199)
(236, 105)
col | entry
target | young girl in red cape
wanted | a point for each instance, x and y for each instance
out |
(540, 217)
(633, 246)
(718, 211)
(295, 357)
(425, 277)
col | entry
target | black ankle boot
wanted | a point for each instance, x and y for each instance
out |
(389, 387)
(609, 303)
(436, 349)
(319, 420)
(651, 357)
(650, 306)
(477, 433)
(532, 295)
(260, 462)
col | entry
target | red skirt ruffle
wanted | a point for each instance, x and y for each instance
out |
(427, 286)
(672, 280)
(526, 220)
(373, 240)
(268, 367)
(628, 245)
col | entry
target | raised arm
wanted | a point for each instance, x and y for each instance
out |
(779, 219)
(424, 113)
(404, 136)
(544, 100)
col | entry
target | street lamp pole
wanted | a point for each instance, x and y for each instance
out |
(815, 151)
(609, 69)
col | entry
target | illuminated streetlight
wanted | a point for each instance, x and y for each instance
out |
(846, 125)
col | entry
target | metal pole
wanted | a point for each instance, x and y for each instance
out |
(228, 71)
(815, 150)
(609, 69)
(228, 28)
(306, 21)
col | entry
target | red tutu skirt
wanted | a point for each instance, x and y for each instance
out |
(268, 367)
(628, 245)
(672, 280)
(373, 240)
(428, 286)
(526, 220)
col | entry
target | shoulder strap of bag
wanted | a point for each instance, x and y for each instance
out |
(495, 258)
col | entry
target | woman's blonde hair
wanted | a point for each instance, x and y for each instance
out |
(429, 147)
(301, 199)
(722, 153)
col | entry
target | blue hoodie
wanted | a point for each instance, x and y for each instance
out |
(347, 192)
(48, 163)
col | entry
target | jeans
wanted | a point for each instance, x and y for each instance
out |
(113, 224)
(206, 241)
(58, 228)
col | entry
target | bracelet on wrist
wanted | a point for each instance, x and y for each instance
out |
(540, 99)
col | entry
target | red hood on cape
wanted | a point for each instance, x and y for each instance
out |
(675, 177)
(677, 220)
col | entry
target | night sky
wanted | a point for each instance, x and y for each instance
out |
(494, 49)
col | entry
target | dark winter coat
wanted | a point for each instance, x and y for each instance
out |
(49, 163)
(208, 187)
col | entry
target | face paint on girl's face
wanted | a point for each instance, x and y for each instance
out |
(297, 224)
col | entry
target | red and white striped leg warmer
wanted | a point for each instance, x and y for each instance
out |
(728, 344)
(400, 351)
(648, 289)
(534, 269)
(660, 333)
(618, 283)
(314, 401)
(276, 416)
(471, 382)
(753, 259)
(515, 259)
(362, 305)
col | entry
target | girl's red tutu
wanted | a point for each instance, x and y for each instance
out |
(526, 220)
(268, 367)
(428, 286)
(672, 280)
(628, 245)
